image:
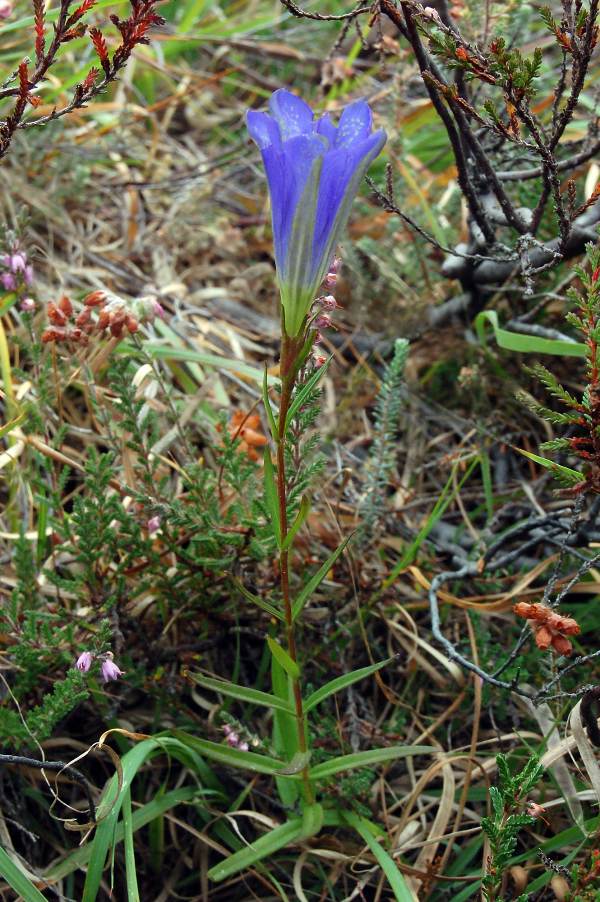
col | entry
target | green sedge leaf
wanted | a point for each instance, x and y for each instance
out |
(244, 693)
(267, 845)
(282, 658)
(341, 682)
(317, 579)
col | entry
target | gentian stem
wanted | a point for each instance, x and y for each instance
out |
(291, 349)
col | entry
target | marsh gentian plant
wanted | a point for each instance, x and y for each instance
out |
(314, 170)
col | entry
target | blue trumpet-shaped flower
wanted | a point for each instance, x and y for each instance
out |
(314, 170)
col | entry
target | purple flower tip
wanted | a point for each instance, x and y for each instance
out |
(153, 524)
(110, 671)
(314, 170)
(84, 661)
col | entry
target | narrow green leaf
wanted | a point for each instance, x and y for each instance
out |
(257, 600)
(267, 406)
(312, 820)
(285, 732)
(400, 888)
(573, 476)
(317, 579)
(271, 498)
(259, 764)
(14, 876)
(366, 759)
(525, 344)
(244, 693)
(271, 842)
(133, 894)
(301, 396)
(281, 655)
(303, 512)
(341, 682)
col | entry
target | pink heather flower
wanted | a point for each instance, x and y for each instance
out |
(8, 281)
(323, 321)
(17, 262)
(28, 275)
(110, 671)
(153, 524)
(318, 338)
(328, 302)
(159, 310)
(330, 280)
(6, 8)
(233, 739)
(27, 305)
(319, 360)
(84, 661)
(227, 729)
(243, 746)
(535, 810)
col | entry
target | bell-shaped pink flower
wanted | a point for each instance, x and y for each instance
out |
(84, 661)
(109, 670)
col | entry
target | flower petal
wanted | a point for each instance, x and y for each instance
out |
(343, 170)
(355, 124)
(292, 114)
(263, 129)
(326, 128)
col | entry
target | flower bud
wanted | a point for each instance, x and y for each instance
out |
(9, 283)
(152, 526)
(328, 302)
(27, 305)
(323, 321)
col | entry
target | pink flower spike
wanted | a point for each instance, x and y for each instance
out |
(110, 671)
(84, 661)
(153, 525)
(27, 305)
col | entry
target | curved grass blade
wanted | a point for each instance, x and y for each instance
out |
(261, 848)
(400, 888)
(525, 344)
(17, 880)
(257, 600)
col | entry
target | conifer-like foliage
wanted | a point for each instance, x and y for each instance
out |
(582, 416)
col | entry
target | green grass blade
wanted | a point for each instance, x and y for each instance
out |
(244, 693)
(341, 682)
(257, 600)
(267, 845)
(400, 888)
(366, 759)
(525, 344)
(133, 894)
(14, 876)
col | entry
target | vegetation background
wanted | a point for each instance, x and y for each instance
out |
(134, 520)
